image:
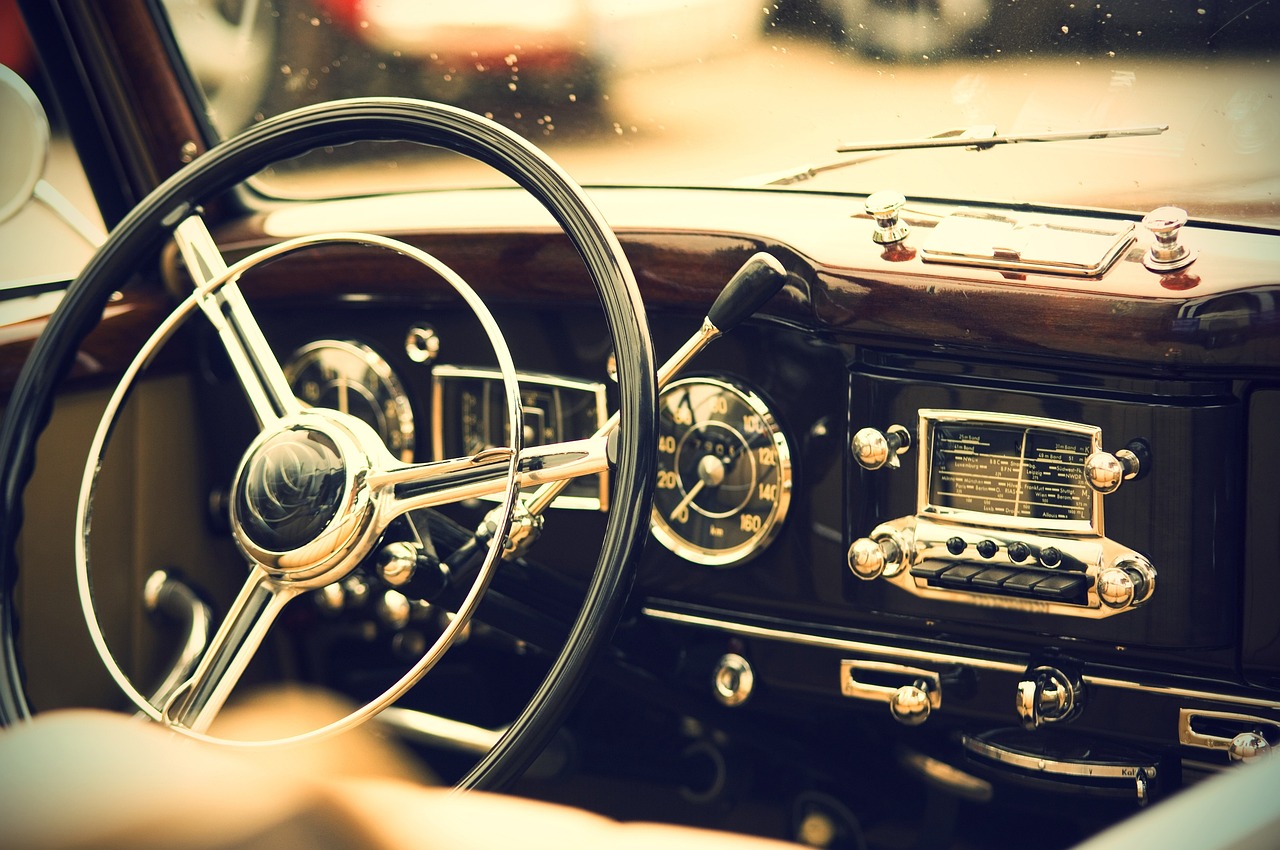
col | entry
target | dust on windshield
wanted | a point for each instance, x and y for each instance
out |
(727, 92)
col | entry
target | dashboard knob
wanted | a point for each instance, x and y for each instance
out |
(910, 704)
(1248, 746)
(1166, 253)
(1127, 583)
(1048, 695)
(1105, 472)
(1115, 588)
(408, 568)
(884, 206)
(869, 559)
(394, 610)
(732, 680)
(873, 449)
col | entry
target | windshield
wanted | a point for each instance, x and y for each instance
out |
(740, 92)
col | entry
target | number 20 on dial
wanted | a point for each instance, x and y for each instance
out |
(724, 472)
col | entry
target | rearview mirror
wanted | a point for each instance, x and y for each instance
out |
(24, 139)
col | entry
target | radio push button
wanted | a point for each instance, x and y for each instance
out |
(930, 570)
(1023, 582)
(1063, 587)
(960, 575)
(993, 578)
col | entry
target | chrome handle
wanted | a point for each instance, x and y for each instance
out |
(909, 703)
(166, 594)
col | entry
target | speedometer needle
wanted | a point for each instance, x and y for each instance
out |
(688, 497)
(710, 471)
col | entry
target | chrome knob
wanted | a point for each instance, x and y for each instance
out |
(1166, 253)
(1127, 583)
(910, 704)
(883, 206)
(874, 449)
(394, 610)
(422, 344)
(331, 598)
(869, 559)
(732, 680)
(1105, 472)
(1048, 695)
(1248, 746)
(1115, 588)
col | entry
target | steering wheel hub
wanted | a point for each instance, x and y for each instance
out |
(291, 490)
(299, 501)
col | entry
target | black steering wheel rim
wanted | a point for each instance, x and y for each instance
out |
(135, 240)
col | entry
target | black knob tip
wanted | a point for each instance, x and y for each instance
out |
(759, 279)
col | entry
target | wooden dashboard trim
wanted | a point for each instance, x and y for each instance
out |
(1224, 322)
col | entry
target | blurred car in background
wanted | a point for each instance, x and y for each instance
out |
(497, 57)
(924, 30)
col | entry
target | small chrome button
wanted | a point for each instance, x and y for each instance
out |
(1166, 254)
(733, 679)
(884, 206)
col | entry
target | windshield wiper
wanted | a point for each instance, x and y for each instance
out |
(980, 138)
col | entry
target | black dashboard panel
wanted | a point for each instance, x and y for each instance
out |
(1183, 514)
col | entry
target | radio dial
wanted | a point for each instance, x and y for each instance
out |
(1105, 472)
(875, 556)
(1127, 583)
(874, 449)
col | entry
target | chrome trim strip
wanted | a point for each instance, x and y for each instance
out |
(799, 638)
(831, 643)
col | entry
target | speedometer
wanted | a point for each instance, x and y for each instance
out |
(353, 378)
(724, 472)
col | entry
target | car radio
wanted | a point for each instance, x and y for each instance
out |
(1041, 502)
(1009, 515)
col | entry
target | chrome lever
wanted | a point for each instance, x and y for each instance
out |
(170, 596)
(436, 731)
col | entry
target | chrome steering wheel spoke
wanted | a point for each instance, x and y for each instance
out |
(196, 702)
(223, 304)
(429, 485)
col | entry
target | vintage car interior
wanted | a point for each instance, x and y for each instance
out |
(924, 495)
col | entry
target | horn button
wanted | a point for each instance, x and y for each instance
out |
(290, 496)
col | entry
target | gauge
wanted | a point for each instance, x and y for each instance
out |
(353, 378)
(724, 472)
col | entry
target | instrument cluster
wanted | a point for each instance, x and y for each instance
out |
(724, 478)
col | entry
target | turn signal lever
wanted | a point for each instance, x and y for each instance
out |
(760, 278)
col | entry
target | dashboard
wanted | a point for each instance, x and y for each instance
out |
(1017, 520)
(1013, 513)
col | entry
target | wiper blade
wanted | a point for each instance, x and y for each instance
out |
(981, 137)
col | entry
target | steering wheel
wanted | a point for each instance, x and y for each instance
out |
(329, 463)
